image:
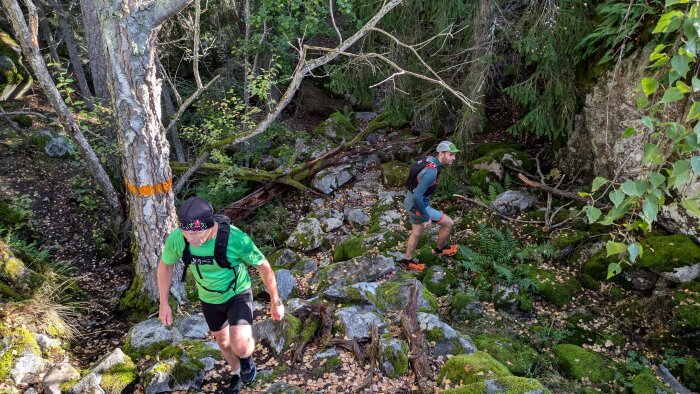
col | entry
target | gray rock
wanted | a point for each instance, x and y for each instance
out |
(307, 236)
(394, 295)
(446, 339)
(357, 216)
(285, 283)
(391, 219)
(28, 369)
(192, 327)
(57, 375)
(285, 258)
(682, 274)
(32, 390)
(282, 388)
(332, 178)
(293, 304)
(57, 147)
(328, 353)
(308, 265)
(364, 293)
(357, 323)
(639, 279)
(90, 383)
(331, 224)
(471, 311)
(151, 332)
(365, 116)
(272, 333)
(365, 268)
(505, 295)
(45, 342)
(512, 202)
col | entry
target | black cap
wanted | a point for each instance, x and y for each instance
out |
(196, 214)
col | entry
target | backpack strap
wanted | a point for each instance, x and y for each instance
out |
(221, 245)
(186, 259)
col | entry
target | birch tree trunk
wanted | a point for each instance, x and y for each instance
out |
(129, 29)
(47, 36)
(73, 54)
(95, 47)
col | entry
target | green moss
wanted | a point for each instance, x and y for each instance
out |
(485, 149)
(432, 300)
(481, 179)
(426, 256)
(458, 307)
(311, 326)
(118, 377)
(665, 253)
(186, 370)
(615, 293)
(524, 301)
(136, 304)
(509, 385)
(6, 292)
(526, 162)
(518, 357)
(557, 291)
(395, 173)
(292, 328)
(588, 281)
(24, 121)
(398, 358)
(17, 341)
(67, 385)
(337, 126)
(136, 354)
(349, 249)
(439, 286)
(567, 237)
(646, 383)
(172, 351)
(579, 363)
(471, 368)
(8, 215)
(691, 374)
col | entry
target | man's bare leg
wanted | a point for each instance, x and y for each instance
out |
(444, 233)
(222, 339)
(416, 232)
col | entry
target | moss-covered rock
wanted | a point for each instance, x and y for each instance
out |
(393, 296)
(337, 127)
(437, 279)
(471, 368)
(485, 149)
(395, 173)
(20, 279)
(481, 179)
(577, 362)
(646, 383)
(393, 356)
(686, 316)
(465, 307)
(118, 377)
(16, 342)
(557, 288)
(501, 385)
(361, 244)
(518, 357)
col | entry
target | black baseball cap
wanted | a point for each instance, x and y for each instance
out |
(196, 214)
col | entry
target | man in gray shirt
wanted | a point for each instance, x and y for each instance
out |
(422, 182)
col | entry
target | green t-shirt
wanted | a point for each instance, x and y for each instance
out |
(207, 273)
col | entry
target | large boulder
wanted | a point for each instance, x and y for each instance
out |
(149, 337)
(361, 244)
(518, 357)
(471, 368)
(597, 146)
(20, 356)
(57, 376)
(362, 293)
(110, 375)
(512, 202)
(444, 339)
(307, 236)
(337, 127)
(394, 295)
(502, 385)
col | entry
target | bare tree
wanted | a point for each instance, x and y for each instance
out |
(95, 48)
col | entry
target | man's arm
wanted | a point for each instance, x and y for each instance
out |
(268, 278)
(165, 277)
(427, 177)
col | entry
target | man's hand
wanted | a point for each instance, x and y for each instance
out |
(427, 224)
(277, 311)
(165, 314)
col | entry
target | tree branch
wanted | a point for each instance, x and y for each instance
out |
(164, 9)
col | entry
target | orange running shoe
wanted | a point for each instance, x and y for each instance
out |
(411, 265)
(446, 251)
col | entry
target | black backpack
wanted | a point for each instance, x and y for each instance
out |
(416, 168)
(220, 247)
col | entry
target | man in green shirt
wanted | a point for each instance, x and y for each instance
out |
(225, 294)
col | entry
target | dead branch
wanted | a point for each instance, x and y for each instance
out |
(352, 345)
(670, 380)
(373, 354)
(195, 45)
(418, 353)
(561, 193)
(189, 102)
(479, 203)
(6, 117)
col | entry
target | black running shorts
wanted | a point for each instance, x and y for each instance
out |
(236, 311)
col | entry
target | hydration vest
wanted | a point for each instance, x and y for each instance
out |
(413, 181)
(220, 247)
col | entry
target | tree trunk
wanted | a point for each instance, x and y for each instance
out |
(68, 37)
(30, 48)
(46, 36)
(95, 47)
(129, 30)
(174, 133)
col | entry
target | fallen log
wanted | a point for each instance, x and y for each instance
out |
(560, 193)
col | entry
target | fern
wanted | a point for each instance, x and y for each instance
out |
(507, 182)
(495, 189)
(475, 191)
